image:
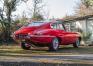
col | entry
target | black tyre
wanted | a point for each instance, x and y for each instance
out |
(76, 44)
(54, 45)
(25, 46)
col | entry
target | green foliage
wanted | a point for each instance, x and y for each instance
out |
(87, 3)
(86, 36)
(38, 17)
(9, 6)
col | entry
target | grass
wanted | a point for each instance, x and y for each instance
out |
(17, 51)
(13, 52)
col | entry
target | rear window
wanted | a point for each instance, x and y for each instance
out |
(34, 24)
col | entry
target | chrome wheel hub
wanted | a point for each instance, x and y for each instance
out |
(27, 45)
(77, 42)
(55, 43)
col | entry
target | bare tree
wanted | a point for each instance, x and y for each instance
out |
(87, 3)
(37, 10)
(84, 8)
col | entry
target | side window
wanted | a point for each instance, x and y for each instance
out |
(61, 26)
(57, 26)
(54, 26)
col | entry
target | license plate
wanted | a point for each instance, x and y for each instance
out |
(23, 40)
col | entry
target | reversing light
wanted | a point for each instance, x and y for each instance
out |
(28, 33)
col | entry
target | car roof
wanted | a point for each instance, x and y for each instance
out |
(48, 21)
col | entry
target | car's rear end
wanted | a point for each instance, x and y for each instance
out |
(41, 36)
(22, 33)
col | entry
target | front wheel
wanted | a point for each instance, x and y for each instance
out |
(76, 44)
(54, 44)
(25, 46)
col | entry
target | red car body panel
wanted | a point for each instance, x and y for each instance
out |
(25, 30)
(44, 34)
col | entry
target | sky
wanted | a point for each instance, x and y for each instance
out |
(53, 8)
(59, 8)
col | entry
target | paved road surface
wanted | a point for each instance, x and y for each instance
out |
(87, 57)
(67, 57)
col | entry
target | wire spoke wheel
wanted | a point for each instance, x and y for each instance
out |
(54, 45)
(77, 43)
(25, 45)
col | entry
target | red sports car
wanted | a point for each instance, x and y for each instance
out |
(49, 33)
